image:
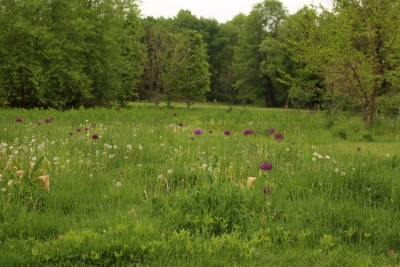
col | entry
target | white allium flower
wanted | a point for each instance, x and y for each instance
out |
(204, 166)
(320, 156)
(315, 154)
(129, 147)
(327, 157)
(336, 170)
(34, 159)
(287, 149)
(314, 159)
(343, 173)
(114, 146)
(118, 184)
(160, 176)
(170, 171)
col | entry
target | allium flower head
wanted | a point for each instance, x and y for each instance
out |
(293, 143)
(198, 131)
(86, 129)
(227, 132)
(71, 133)
(78, 130)
(181, 124)
(266, 166)
(210, 131)
(39, 123)
(118, 108)
(358, 148)
(248, 132)
(174, 114)
(47, 120)
(95, 136)
(18, 119)
(191, 138)
(279, 137)
(271, 130)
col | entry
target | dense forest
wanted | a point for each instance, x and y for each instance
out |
(71, 53)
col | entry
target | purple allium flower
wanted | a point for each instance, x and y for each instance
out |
(71, 133)
(78, 130)
(122, 173)
(248, 132)
(271, 130)
(266, 191)
(266, 166)
(279, 137)
(47, 120)
(227, 132)
(95, 136)
(118, 108)
(191, 138)
(293, 143)
(39, 123)
(93, 124)
(198, 131)
(86, 129)
(174, 114)
(18, 119)
(358, 148)
(180, 124)
(210, 131)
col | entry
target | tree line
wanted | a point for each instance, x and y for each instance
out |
(70, 53)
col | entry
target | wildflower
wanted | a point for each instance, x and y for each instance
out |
(313, 147)
(327, 157)
(266, 191)
(129, 147)
(227, 132)
(387, 155)
(210, 131)
(191, 138)
(287, 149)
(358, 148)
(170, 171)
(343, 173)
(174, 114)
(39, 123)
(118, 184)
(293, 143)
(198, 131)
(18, 119)
(3, 189)
(248, 132)
(95, 136)
(271, 130)
(181, 124)
(140, 147)
(86, 129)
(336, 170)
(78, 130)
(93, 124)
(266, 166)
(118, 108)
(47, 120)
(320, 156)
(71, 133)
(279, 137)
(159, 176)
(34, 159)
(204, 166)
(315, 154)
(314, 159)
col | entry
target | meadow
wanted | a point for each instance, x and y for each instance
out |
(205, 186)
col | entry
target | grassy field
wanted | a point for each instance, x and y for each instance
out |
(186, 187)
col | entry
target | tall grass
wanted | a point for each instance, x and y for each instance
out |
(149, 192)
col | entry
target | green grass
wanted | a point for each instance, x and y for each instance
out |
(146, 194)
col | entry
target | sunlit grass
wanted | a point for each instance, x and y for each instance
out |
(149, 191)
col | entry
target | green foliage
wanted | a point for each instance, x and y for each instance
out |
(68, 53)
